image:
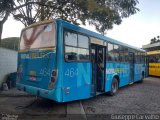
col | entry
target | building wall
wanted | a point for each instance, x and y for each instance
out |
(8, 63)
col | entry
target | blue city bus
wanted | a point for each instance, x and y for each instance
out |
(64, 62)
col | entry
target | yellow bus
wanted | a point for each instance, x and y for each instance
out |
(154, 62)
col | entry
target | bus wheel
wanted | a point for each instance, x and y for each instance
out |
(142, 77)
(114, 87)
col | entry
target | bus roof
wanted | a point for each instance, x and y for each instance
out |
(38, 23)
(94, 34)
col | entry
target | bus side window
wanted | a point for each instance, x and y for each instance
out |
(70, 53)
(70, 46)
(142, 57)
(121, 54)
(116, 53)
(139, 57)
(83, 47)
(70, 39)
(110, 52)
(135, 57)
(151, 59)
(158, 58)
(126, 54)
(76, 47)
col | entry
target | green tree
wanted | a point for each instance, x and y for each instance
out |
(100, 13)
(155, 40)
(5, 6)
(158, 40)
(103, 14)
(10, 43)
(31, 11)
(8, 7)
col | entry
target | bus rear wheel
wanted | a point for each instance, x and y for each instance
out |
(142, 78)
(114, 87)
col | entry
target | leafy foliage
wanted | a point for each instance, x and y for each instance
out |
(155, 40)
(5, 6)
(103, 14)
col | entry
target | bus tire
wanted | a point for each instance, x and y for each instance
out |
(142, 78)
(114, 87)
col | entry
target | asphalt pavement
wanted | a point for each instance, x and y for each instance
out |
(139, 98)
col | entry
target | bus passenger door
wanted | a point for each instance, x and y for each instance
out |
(131, 62)
(98, 68)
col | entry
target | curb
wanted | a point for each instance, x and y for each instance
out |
(75, 111)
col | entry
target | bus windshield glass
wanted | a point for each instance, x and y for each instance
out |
(39, 36)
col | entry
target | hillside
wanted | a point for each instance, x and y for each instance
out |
(10, 43)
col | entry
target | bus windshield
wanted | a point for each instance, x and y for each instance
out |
(39, 36)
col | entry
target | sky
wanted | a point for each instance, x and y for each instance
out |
(137, 30)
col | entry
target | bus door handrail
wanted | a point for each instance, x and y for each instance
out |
(100, 67)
